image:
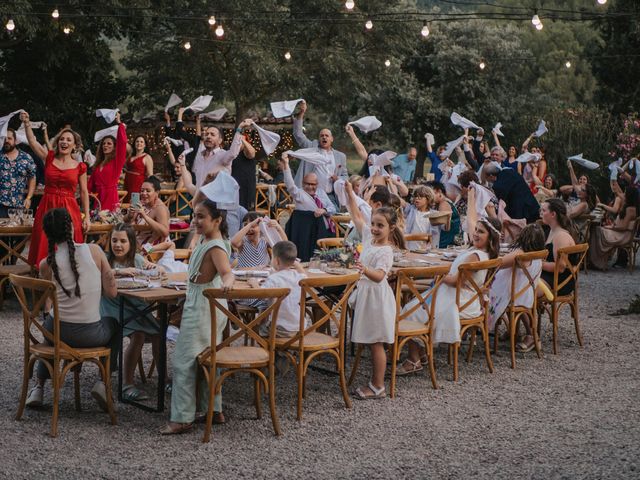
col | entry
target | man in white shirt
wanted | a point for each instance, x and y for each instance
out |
(309, 197)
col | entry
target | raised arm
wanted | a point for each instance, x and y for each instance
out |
(572, 174)
(360, 150)
(237, 241)
(352, 206)
(496, 140)
(248, 149)
(38, 149)
(227, 156)
(121, 146)
(298, 134)
(525, 144)
(221, 262)
(185, 175)
(472, 214)
(288, 178)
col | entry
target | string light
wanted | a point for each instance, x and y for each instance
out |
(425, 29)
(10, 25)
(368, 25)
(387, 63)
(219, 30)
(66, 30)
(55, 14)
(212, 20)
(187, 46)
(602, 2)
(349, 4)
(482, 65)
(287, 55)
(568, 64)
(539, 26)
(535, 20)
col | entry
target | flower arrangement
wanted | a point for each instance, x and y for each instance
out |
(344, 256)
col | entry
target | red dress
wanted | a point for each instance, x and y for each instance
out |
(134, 176)
(59, 192)
(104, 179)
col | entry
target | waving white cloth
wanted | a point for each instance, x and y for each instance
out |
(378, 162)
(269, 233)
(109, 114)
(224, 190)
(429, 138)
(175, 141)
(4, 125)
(497, 130)
(528, 157)
(106, 132)
(21, 133)
(200, 103)
(341, 195)
(583, 162)
(483, 197)
(452, 181)
(89, 158)
(542, 129)
(451, 146)
(285, 108)
(214, 115)
(460, 121)
(615, 168)
(173, 101)
(636, 162)
(367, 124)
(270, 140)
(311, 155)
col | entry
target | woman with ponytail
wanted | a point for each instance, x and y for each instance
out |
(561, 234)
(81, 274)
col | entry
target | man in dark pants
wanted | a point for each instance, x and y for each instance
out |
(509, 186)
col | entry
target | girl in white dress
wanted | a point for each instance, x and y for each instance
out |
(375, 306)
(446, 328)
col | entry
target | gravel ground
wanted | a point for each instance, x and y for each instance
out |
(575, 415)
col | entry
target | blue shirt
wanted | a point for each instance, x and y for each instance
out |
(14, 178)
(403, 167)
(435, 164)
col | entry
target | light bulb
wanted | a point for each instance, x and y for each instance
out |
(219, 30)
(535, 20)
(66, 30)
(539, 26)
(212, 20)
(387, 63)
(187, 45)
(482, 65)
(602, 2)
(10, 25)
(55, 14)
(287, 55)
(368, 25)
(568, 64)
(425, 30)
(349, 4)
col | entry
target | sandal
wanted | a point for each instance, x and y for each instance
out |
(131, 394)
(526, 346)
(176, 428)
(413, 367)
(376, 393)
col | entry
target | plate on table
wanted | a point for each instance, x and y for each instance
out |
(131, 284)
(177, 285)
(412, 263)
(338, 271)
(251, 273)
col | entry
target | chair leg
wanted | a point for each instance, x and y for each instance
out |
(428, 348)
(495, 336)
(151, 368)
(300, 373)
(576, 321)
(343, 382)
(456, 348)
(76, 386)
(212, 383)
(394, 366)
(143, 377)
(257, 400)
(487, 347)
(513, 330)
(25, 387)
(272, 399)
(356, 364)
(554, 323)
(472, 344)
(56, 399)
(534, 329)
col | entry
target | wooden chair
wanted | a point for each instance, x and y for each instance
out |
(178, 253)
(99, 233)
(407, 330)
(263, 204)
(572, 257)
(58, 357)
(178, 201)
(309, 343)
(12, 243)
(515, 312)
(121, 195)
(235, 359)
(480, 322)
(284, 214)
(283, 198)
(418, 237)
(633, 246)
(341, 222)
(330, 242)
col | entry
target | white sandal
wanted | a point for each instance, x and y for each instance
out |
(403, 370)
(376, 393)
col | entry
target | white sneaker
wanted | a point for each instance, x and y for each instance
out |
(99, 393)
(34, 399)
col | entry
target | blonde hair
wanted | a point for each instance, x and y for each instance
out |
(76, 138)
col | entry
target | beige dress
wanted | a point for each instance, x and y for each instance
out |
(604, 241)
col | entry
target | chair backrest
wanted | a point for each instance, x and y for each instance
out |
(121, 195)
(466, 281)
(262, 197)
(406, 280)
(572, 257)
(522, 262)
(341, 222)
(99, 233)
(178, 202)
(325, 243)
(14, 252)
(43, 290)
(215, 295)
(417, 237)
(311, 291)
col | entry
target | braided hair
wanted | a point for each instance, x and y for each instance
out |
(58, 228)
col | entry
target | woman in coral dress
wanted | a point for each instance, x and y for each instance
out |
(110, 159)
(139, 167)
(62, 176)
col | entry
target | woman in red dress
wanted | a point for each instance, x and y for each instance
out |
(139, 167)
(110, 158)
(62, 175)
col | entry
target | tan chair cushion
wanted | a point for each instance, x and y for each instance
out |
(312, 341)
(237, 357)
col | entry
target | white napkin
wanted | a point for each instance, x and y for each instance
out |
(483, 197)
(224, 190)
(451, 146)
(367, 124)
(542, 129)
(269, 233)
(341, 194)
(109, 114)
(106, 132)
(429, 138)
(383, 159)
(285, 108)
(200, 103)
(584, 162)
(173, 101)
(214, 115)
(4, 125)
(497, 130)
(526, 157)
(310, 155)
(614, 168)
(89, 158)
(460, 121)
(21, 133)
(176, 142)
(270, 140)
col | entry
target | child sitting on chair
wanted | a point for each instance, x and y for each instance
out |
(252, 248)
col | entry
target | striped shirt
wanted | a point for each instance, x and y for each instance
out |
(253, 256)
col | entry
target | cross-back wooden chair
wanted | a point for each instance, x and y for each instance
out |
(236, 359)
(283, 198)
(572, 257)
(12, 243)
(515, 311)
(309, 343)
(121, 195)
(99, 233)
(58, 357)
(479, 294)
(633, 245)
(263, 204)
(178, 202)
(425, 238)
(341, 222)
(407, 330)
(329, 242)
